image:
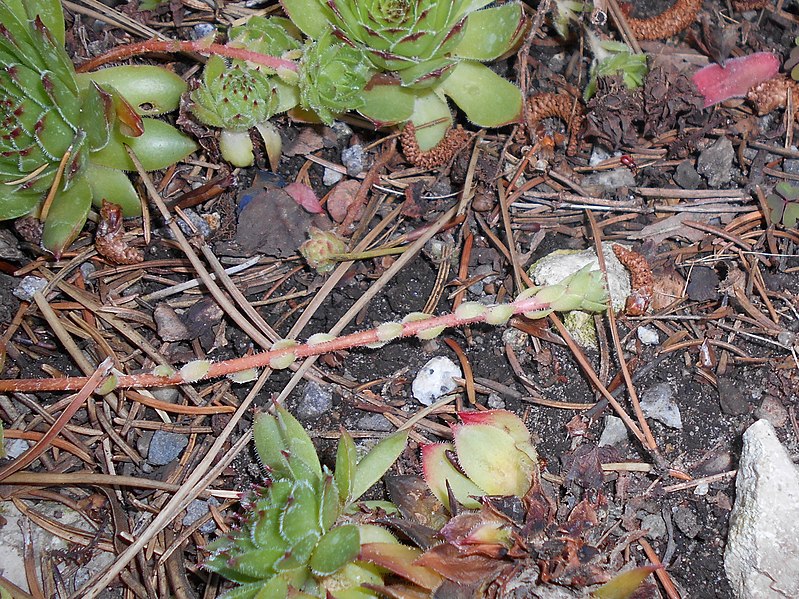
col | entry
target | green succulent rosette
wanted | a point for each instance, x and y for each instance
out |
(434, 51)
(333, 76)
(55, 126)
(293, 540)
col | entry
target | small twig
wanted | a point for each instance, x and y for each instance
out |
(75, 404)
(175, 46)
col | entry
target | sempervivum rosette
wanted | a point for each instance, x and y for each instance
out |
(435, 49)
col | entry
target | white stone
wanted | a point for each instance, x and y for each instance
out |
(554, 267)
(762, 554)
(658, 402)
(648, 335)
(435, 379)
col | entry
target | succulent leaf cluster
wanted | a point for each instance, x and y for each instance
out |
(615, 58)
(294, 540)
(432, 51)
(63, 137)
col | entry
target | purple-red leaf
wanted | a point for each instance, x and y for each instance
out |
(719, 83)
(304, 196)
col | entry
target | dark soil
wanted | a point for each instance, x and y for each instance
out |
(724, 367)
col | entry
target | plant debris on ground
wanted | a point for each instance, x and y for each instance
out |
(658, 134)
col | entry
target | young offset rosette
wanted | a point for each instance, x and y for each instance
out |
(294, 540)
(333, 76)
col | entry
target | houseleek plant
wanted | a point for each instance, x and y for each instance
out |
(63, 137)
(432, 51)
(294, 539)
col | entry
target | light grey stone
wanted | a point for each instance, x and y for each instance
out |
(316, 401)
(715, 162)
(28, 286)
(374, 422)
(331, 176)
(762, 554)
(196, 510)
(658, 402)
(655, 524)
(610, 180)
(165, 447)
(435, 379)
(615, 431)
(354, 159)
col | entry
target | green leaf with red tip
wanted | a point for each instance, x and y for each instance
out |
(439, 472)
(400, 559)
(489, 457)
(375, 463)
(624, 585)
(160, 146)
(300, 515)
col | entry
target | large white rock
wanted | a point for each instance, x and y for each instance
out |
(762, 554)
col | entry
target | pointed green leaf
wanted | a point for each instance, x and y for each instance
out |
(67, 216)
(269, 444)
(160, 146)
(300, 515)
(150, 89)
(15, 202)
(297, 555)
(299, 443)
(487, 99)
(492, 32)
(330, 504)
(335, 549)
(375, 464)
(346, 461)
(115, 186)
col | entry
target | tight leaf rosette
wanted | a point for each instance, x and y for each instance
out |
(295, 538)
(235, 98)
(435, 49)
(333, 76)
(62, 139)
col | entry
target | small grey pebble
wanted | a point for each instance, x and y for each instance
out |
(354, 159)
(331, 177)
(687, 522)
(316, 401)
(495, 402)
(374, 422)
(655, 524)
(196, 510)
(28, 287)
(165, 447)
(202, 30)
